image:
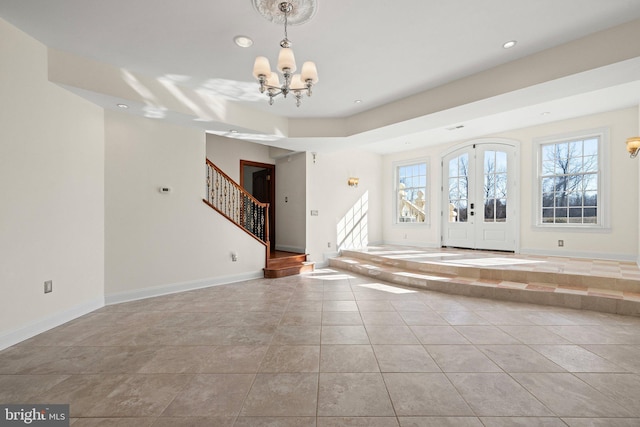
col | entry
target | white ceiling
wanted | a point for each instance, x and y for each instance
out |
(372, 50)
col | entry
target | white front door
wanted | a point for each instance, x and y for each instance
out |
(479, 189)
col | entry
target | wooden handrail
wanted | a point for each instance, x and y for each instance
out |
(233, 202)
(235, 184)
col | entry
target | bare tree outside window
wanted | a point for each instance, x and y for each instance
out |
(495, 186)
(459, 188)
(569, 182)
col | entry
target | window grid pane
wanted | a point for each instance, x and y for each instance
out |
(495, 186)
(569, 182)
(458, 188)
(412, 189)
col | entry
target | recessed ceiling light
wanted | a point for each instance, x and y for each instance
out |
(358, 101)
(545, 113)
(123, 106)
(233, 131)
(243, 41)
(510, 44)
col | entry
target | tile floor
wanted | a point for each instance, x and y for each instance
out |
(332, 349)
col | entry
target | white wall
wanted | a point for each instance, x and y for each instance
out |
(329, 194)
(291, 203)
(619, 242)
(226, 153)
(51, 195)
(157, 243)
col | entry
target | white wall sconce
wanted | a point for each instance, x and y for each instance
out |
(353, 182)
(633, 146)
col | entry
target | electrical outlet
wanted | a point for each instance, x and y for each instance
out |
(48, 286)
(560, 243)
(328, 244)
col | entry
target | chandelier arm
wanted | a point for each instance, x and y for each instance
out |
(273, 91)
(262, 79)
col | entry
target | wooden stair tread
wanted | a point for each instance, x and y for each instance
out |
(288, 260)
(287, 264)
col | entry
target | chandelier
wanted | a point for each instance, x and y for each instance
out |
(293, 83)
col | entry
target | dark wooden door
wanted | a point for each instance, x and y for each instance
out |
(261, 185)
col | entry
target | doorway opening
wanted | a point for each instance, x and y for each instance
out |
(259, 180)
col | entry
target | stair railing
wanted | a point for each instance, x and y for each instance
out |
(236, 204)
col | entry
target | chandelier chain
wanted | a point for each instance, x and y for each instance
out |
(286, 7)
(286, 14)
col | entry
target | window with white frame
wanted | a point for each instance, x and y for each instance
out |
(411, 192)
(570, 180)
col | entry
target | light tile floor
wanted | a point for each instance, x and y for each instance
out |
(332, 349)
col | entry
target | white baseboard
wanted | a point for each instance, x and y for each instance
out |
(578, 254)
(157, 291)
(42, 325)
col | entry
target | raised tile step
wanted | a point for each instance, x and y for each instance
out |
(485, 282)
(505, 267)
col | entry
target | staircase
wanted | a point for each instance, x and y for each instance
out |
(282, 264)
(229, 199)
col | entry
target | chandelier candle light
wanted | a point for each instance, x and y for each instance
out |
(296, 83)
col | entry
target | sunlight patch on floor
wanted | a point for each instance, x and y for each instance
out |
(491, 262)
(421, 276)
(387, 288)
(385, 253)
(330, 276)
(421, 255)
